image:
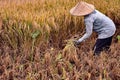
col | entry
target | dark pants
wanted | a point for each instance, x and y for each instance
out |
(102, 44)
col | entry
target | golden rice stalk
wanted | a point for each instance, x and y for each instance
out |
(64, 73)
(48, 29)
(37, 55)
(1, 23)
(70, 51)
(53, 24)
(100, 77)
(35, 25)
(47, 58)
(89, 76)
(59, 68)
(76, 75)
(41, 75)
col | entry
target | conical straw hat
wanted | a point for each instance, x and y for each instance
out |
(82, 8)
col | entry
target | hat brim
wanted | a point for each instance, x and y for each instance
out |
(83, 12)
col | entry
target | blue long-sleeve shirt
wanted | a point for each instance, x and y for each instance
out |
(98, 22)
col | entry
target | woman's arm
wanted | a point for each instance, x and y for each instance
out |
(89, 29)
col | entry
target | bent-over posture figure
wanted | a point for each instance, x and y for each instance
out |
(95, 21)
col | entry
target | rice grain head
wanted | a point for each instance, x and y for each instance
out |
(70, 51)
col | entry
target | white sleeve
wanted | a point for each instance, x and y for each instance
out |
(89, 29)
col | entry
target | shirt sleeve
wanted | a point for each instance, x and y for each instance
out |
(89, 29)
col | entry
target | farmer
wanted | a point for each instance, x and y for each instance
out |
(95, 21)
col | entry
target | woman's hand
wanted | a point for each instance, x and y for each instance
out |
(76, 42)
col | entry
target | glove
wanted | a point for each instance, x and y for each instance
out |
(76, 42)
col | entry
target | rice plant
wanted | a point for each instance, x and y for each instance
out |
(33, 46)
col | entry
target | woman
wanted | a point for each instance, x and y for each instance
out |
(95, 21)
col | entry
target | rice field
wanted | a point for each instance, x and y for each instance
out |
(36, 42)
